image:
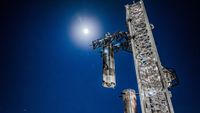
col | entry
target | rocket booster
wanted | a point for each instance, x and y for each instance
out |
(108, 66)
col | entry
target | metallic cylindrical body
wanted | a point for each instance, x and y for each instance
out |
(108, 67)
(129, 99)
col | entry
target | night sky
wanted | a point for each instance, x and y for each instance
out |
(44, 70)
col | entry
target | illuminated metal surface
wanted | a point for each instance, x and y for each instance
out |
(108, 66)
(152, 85)
(109, 44)
(129, 98)
(154, 80)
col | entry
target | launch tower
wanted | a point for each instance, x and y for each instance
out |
(153, 79)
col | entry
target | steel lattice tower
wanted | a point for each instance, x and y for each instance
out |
(152, 84)
(153, 79)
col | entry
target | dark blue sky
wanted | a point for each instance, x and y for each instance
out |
(43, 71)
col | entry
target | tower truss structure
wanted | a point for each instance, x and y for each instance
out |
(153, 79)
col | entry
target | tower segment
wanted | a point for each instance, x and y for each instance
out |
(151, 77)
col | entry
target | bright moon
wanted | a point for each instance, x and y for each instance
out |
(85, 31)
